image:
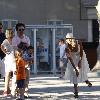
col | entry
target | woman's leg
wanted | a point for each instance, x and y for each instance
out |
(7, 79)
(13, 89)
(76, 90)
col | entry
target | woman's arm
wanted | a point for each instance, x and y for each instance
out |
(81, 54)
(3, 49)
(68, 54)
(81, 50)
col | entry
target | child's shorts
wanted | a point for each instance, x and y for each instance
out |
(20, 83)
(63, 63)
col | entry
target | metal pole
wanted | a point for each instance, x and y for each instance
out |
(35, 64)
(54, 59)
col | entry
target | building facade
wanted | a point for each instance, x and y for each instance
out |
(76, 16)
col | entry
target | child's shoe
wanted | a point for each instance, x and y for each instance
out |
(8, 91)
(26, 95)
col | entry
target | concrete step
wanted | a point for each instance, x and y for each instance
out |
(94, 74)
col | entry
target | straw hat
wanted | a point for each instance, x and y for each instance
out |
(69, 35)
(70, 38)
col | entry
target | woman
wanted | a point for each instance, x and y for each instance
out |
(9, 61)
(77, 67)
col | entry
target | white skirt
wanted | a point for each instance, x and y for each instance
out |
(70, 74)
(10, 63)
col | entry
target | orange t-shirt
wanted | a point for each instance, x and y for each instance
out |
(20, 69)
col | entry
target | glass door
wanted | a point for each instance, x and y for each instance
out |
(30, 33)
(44, 50)
(44, 39)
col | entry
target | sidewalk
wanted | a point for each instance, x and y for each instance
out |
(50, 87)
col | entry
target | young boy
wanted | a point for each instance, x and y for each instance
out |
(63, 57)
(28, 57)
(20, 74)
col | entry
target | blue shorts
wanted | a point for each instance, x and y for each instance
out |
(20, 83)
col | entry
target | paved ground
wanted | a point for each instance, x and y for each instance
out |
(50, 87)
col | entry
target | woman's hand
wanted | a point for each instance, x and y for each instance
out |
(68, 55)
(77, 72)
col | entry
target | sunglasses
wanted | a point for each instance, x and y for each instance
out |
(21, 29)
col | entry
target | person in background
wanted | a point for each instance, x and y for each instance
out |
(63, 57)
(10, 64)
(2, 54)
(77, 66)
(2, 38)
(20, 74)
(20, 39)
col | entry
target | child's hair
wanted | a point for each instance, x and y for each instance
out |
(23, 46)
(9, 33)
(62, 40)
(18, 52)
(30, 47)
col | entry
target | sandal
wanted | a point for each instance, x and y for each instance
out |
(5, 94)
(76, 95)
(89, 83)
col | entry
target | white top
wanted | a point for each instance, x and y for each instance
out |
(16, 40)
(8, 46)
(9, 61)
(62, 51)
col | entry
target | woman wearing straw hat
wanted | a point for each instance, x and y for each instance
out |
(77, 66)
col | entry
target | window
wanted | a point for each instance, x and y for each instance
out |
(55, 22)
(9, 23)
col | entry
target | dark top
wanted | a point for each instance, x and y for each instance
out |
(2, 38)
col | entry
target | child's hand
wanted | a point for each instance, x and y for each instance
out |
(27, 65)
(30, 62)
(15, 72)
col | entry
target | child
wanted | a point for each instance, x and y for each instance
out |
(9, 61)
(28, 57)
(63, 57)
(20, 74)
